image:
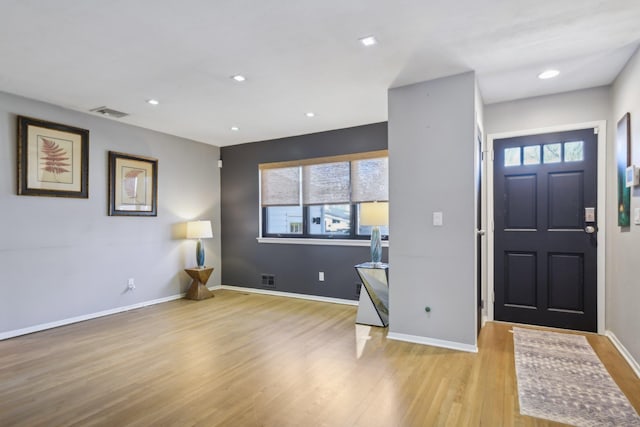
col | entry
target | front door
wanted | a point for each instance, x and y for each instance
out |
(545, 193)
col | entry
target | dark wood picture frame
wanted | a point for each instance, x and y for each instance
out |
(623, 159)
(53, 159)
(133, 185)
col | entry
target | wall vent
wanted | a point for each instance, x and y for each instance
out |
(108, 112)
(268, 280)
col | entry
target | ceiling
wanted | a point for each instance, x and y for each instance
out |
(298, 56)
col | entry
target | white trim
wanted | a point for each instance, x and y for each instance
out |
(291, 295)
(82, 318)
(327, 242)
(624, 352)
(601, 125)
(416, 339)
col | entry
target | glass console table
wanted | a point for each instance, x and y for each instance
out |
(373, 307)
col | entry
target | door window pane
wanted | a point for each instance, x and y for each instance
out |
(552, 153)
(512, 156)
(284, 220)
(532, 155)
(574, 151)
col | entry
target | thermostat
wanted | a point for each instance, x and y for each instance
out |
(632, 177)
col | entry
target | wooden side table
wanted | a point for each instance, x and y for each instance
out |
(198, 290)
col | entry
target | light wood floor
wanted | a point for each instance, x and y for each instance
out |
(255, 360)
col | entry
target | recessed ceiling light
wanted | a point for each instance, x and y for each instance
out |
(368, 41)
(153, 101)
(548, 74)
(235, 128)
(239, 78)
(310, 114)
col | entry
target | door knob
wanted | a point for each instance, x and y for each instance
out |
(589, 229)
(480, 232)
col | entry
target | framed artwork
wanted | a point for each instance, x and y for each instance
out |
(53, 159)
(623, 159)
(133, 185)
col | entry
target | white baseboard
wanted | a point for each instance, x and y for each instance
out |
(292, 295)
(624, 352)
(58, 323)
(432, 342)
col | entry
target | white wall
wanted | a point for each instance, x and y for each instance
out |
(62, 258)
(431, 168)
(623, 256)
(548, 111)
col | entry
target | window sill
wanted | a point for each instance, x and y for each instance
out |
(325, 242)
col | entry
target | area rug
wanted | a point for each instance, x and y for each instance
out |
(560, 378)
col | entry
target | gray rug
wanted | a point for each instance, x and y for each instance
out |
(560, 378)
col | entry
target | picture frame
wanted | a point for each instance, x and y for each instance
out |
(133, 185)
(53, 159)
(623, 160)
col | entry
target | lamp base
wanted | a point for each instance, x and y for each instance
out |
(376, 245)
(200, 254)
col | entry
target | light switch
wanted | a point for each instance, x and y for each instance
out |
(636, 216)
(437, 219)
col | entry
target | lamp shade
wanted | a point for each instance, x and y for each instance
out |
(199, 230)
(375, 213)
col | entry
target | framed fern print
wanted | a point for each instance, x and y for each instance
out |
(53, 159)
(133, 185)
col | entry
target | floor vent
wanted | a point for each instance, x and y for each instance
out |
(268, 280)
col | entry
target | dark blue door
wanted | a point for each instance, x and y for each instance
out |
(545, 193)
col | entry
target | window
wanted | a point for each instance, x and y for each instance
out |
(552, 153)
(512, 156)
(573, 151)
(531, 155)
(320, 198)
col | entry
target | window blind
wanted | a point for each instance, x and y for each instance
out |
(370, 180)
(325, 183)
(343, 179)
(280, 186)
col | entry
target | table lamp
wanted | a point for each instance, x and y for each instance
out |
(199, 230)
(375, 214)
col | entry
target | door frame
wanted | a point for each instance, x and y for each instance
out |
(601, 126)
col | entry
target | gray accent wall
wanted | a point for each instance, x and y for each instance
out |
(432, 169)
(65, 258)
(623, 268)
(294, 266)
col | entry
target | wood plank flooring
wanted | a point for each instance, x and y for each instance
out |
(256, 360)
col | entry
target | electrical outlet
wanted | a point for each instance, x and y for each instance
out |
(131, 284)
(321, 276)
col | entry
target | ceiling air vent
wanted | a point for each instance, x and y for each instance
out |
(108, 112)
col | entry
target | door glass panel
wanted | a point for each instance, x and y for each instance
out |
(532, 155)
(552, 153)
(512, 156)
(574, 151)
